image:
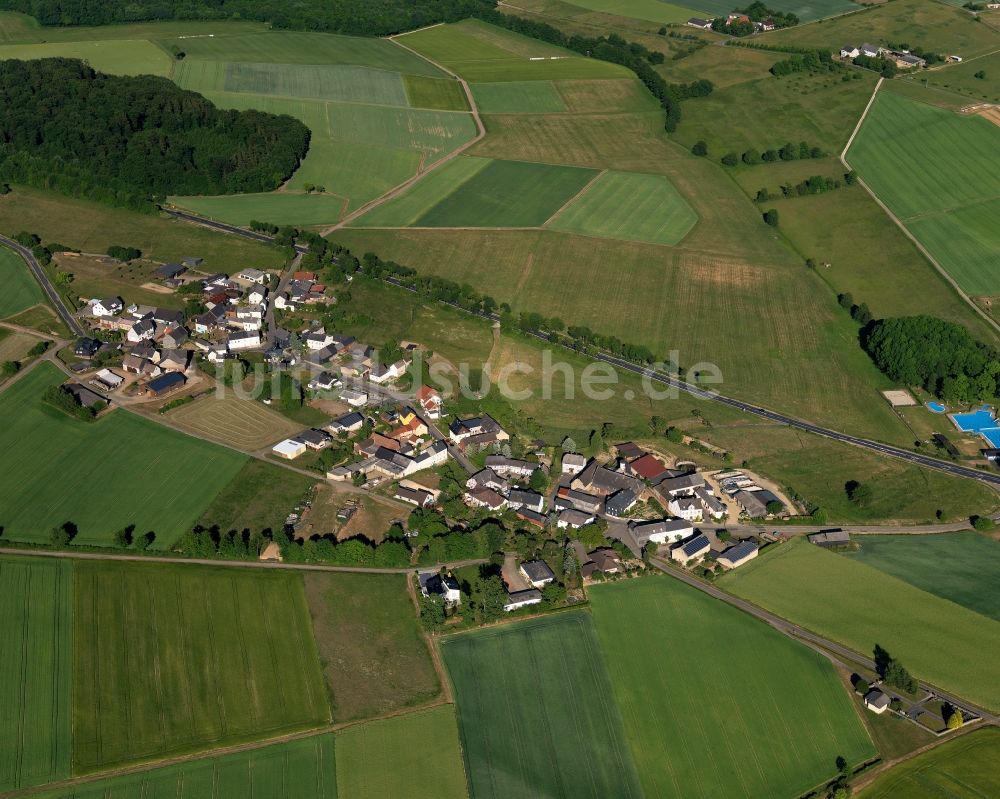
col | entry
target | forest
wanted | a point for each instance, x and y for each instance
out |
(941, 356)
(354, 17)
(131, 140)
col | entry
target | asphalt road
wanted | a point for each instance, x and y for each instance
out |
(47, 287)
(810, 639)
(664, 379)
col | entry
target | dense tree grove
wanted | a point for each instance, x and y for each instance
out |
(355, 17)
(129, 140)
(941, 356)
(615, 49)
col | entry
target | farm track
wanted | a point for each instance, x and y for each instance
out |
(906, 232)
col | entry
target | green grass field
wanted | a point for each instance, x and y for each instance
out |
(59, 469)
(373, 653)
(631, 207)
(21, 290)
(536, 711)
(442, 94)
(174, 658)
(938, 641)
(116, 57)
(259, 497)
(298, 47)
(341, 82)
(295, 770)
(805, 10)
(703, 685)
(93, 227)
(37, 630)
(956, 566)
(962, 78)
(518, 97)
(416, 756)
(934, 26)
(964, 768)
(432, 132)
(950, 203)
(508, 194)
(279, 208)
(605, 96)
(483, 54)
(648, 10)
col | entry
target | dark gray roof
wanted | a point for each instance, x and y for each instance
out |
(538, 570)
(620, 501)
(695, 545)
(529, 594)
(165, 382)
(740, 551)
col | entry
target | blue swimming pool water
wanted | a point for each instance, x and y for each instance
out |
(975, 421)
(937, 407)
(992, 435)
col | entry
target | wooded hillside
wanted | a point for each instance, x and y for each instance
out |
(127, 140)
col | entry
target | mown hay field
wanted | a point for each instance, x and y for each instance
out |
(36, 627)
(938, 641)
(117, 57)
(240, 423)
(956, 566)
(176, 658)
(484, 53)
(950, 202)
(699, 689)
(965, 768)
(518, 97)
(416, 756)
(300, 47)
(102, 476)
(536, 711)
(629, 206)
(21, 290)
(366, 624)
(293, 770)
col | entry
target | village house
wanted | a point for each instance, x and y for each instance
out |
(573, 463)
(143, 330)
(537, 573)
(413, 496)
(850, 51)
(620, 503)
(518, 498)
(648, 467)
(325, 381)
(703, 24)
(110, 306)
(510, 467)
(600, 480)
(689, 508)
(660, 531)
(487, 478)
(430, 400)
(174, 337)
(681, 486)
(356, 399)
(315, 439)
(604, 560)
(574, 519)
(86, 347)
(348, 423)
(442, 585)
(485, 498)
(244, 340)
(579, 500)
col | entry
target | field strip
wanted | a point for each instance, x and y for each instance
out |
(575, 197)
(946, 211)
(906, 232)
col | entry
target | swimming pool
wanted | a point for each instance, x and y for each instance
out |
(975, 421)
(992, 435)
(936, 407)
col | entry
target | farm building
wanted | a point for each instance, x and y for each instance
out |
(693, 549)
(165, 383)
(573, 463)
(620, 503)
(738, 555)
(877, 701)
(751, 504)
(289, 449)
(831, 538)
(663, 531)
(414, 496)
(521, 599)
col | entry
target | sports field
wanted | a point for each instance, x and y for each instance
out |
(957, 566)
(965, 768)
(21, 290)
(536, 711)
(304, 769)
(37, 633)
(117, 57)
(373, 652)
(701, 685)
(241, 423)
(57, 469)
(483, 53)
(629, 206)
(832, 595)
(415, 756)
(174, 658)
(950, 203)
